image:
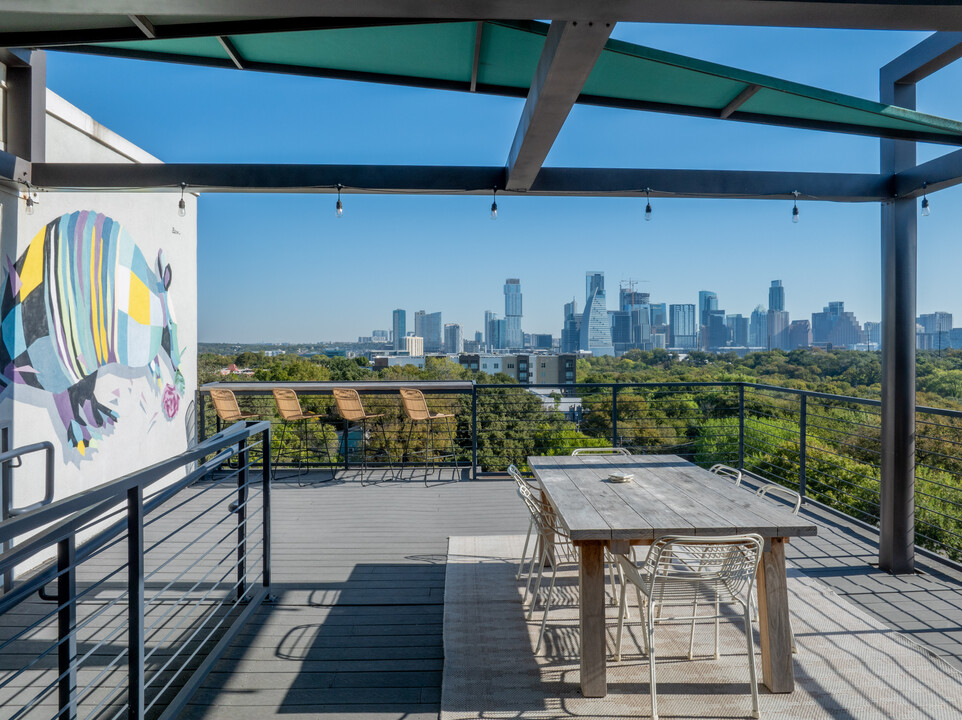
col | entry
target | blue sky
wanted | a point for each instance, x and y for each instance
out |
(278, 268)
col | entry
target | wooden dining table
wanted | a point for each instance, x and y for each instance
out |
(667, 495)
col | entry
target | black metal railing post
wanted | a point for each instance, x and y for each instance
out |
(266, 509)
(474, 432)
(201, 417)
(135, 603)
(67, 627)
(802, 443)
(242, 480)
(741, 426)
(614, 416)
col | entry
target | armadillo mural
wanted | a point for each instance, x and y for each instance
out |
(83, 298)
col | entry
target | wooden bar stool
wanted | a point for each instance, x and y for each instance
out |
(416, 410)
(289, 408)
(228, 412)
(350, 408)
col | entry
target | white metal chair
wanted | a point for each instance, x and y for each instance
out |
(681, 571)
(555, 543)
(522, 483)
(728, 472)
(601, 451)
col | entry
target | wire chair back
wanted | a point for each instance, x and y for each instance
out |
(349, 404)
(727, 472)
(288, 405)
(414, 404)
(682, 570)
(225, 405)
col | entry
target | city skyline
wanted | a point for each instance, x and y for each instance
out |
(181, 113)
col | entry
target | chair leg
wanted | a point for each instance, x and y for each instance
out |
(651, 668)
(622, 606)
(547, 607)
(717, 620)
(537, 585)
(691, 638)
(524, 553)
(751, 663)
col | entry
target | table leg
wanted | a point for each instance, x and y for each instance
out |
(776, 634)
(593, 646)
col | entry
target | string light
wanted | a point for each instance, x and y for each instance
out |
(494, 203)
(648, 206)
(182, 206)
(796, 193)
(339, 206)
(925, 201)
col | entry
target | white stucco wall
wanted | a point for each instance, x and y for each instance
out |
(142, 433)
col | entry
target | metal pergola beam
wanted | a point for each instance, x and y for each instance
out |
(920, 61)
(856, 14)
(26, 107)
(936, 174)
(567, 59)
(467, 180)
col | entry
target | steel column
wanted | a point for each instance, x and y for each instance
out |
(474, 432)
(266, 510)
(135, 603)
(242, 479)
(802, 443)
(67, 627)
(741, 426)
(899, 277)
(614, 416)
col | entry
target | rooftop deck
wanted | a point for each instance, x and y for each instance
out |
(359, 577)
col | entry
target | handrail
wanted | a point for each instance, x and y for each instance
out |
(48, 481)
(116, 490)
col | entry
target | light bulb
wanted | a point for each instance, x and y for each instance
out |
(182, 208)
(648, 211)
(339, 208)
(795, 214)
(925, 207)
(29, 205)
(494, 211)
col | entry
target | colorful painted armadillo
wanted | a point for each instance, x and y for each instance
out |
(82, 297)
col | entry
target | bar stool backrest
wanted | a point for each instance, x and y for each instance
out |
(225, 405)
(288, 405)
(414, 404)
(349, 404)
(601, 451)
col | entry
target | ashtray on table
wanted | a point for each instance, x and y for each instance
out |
(619, 477)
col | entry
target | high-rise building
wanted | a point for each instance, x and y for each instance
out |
(453, 338)
(542, 341)
(479, 337)
(433, 333)
(628, 299)
(776, 296)
(799, 334)
(833, 326)
(400, 329)
(595, 326)
(681, 326)
(707, 301)
(497, 329)
(419, 323)
(873, 332)
(758, 328)
(571, 329)
(488, 340)
(659, 313)
(620, 330)
(738, 326)
(778, 322)
(512, 312)
(716, 331)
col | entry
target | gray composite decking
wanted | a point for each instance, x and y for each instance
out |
(359, 575)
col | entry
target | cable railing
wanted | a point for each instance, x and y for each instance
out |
(827, 447)
(152, 576)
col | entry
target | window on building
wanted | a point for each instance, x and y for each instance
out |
(511, 365)
(544, 365)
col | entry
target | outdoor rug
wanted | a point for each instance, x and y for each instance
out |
(847, 666)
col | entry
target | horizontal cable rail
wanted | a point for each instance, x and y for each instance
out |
(828, 447)
(152, 572)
